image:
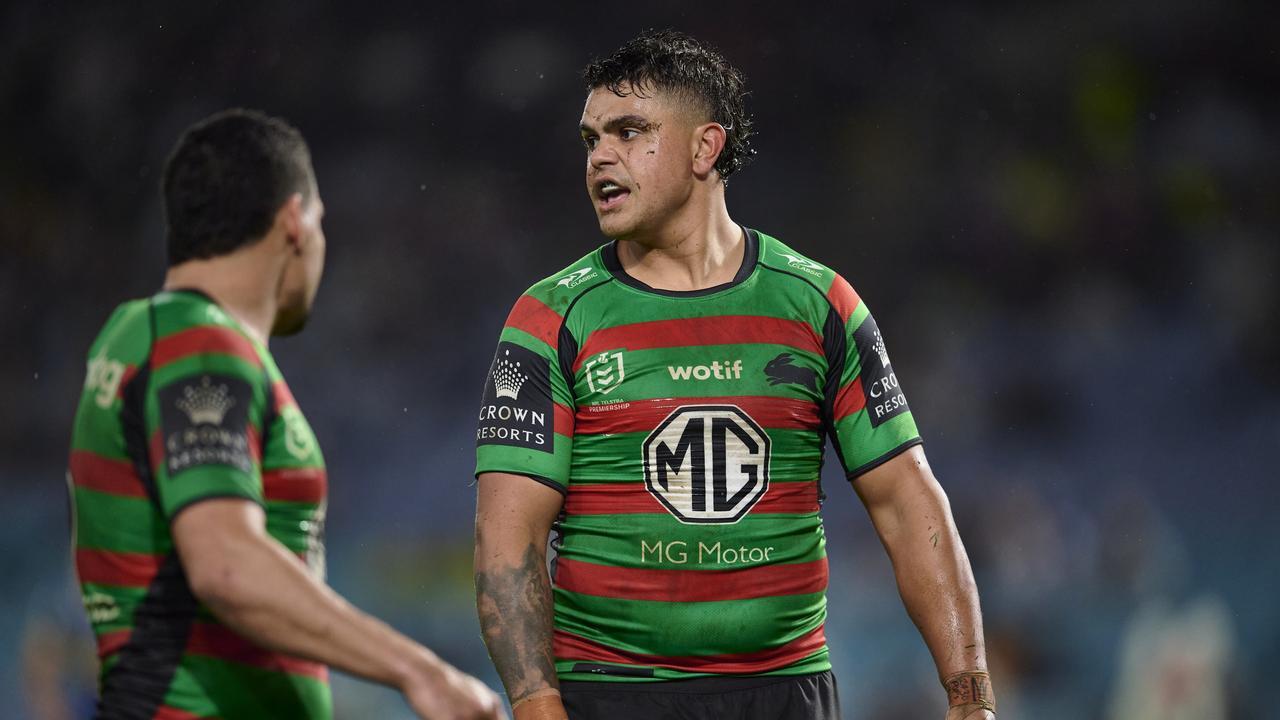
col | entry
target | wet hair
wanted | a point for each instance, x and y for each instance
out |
(226, 179)
(671, 61)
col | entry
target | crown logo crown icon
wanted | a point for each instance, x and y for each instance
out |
(881, 350)
(507, 378)
(205, 404)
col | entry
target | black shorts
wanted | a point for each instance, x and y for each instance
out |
(795, 697)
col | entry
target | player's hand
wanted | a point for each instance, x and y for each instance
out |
(969, 712)
(446, 693)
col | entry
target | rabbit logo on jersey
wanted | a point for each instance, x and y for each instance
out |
(517, 408)
(707, 463)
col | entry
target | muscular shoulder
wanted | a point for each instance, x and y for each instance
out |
(192, 332)
(783, 259)
(540, 310)
(558, 290)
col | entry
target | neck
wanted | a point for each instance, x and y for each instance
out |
(240, 283)
(701, 249)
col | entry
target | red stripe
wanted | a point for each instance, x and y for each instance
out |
(534, 317)
(695, 332)
(295, 484)
(629, 498)
(568, 646)
(683, 586)
(111, 642)
(644, 415)
(164, 712)
(283, 397)
(255, 444)
(849, 399)
(222, 643)
(156, 449)
(843, 297)
(204, 339)
(95, 472)
(116, 568)
(562, 420)
(125, 379)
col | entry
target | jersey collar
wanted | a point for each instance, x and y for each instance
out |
(750, 258)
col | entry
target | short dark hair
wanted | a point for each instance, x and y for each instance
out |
(225, 180)
(675, 62)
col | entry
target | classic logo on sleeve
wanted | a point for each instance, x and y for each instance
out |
(880, 385)
(517, 406)
(204, 420)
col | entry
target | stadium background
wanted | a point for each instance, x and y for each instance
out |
(1064, 217)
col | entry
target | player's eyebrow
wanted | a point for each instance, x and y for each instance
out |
(616, 123)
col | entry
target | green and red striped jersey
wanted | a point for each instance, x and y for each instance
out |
(181, 405)
(686, 432)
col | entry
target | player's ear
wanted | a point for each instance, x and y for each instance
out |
(709, 140)
(289, 218)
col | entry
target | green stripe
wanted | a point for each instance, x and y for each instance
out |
(630, 540)
(862, 443)
(208, 686)
(289, 523)
(529, 342)
(118, 523)
(203, 481)
(98, 431)
(651, 627)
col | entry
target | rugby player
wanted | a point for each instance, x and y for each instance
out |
(198, 488)
(662, 404)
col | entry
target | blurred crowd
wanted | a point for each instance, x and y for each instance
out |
(1065, 218)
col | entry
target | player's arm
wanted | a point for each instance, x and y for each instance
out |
(912, 516)
(255, 586)
(513, 590)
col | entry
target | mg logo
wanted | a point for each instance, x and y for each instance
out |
(707, 463)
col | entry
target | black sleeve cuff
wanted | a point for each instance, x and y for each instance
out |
(852, 475)
(536, 478)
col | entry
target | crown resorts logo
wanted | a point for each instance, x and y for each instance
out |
(507, 378)
(881, 350)
(205, 404)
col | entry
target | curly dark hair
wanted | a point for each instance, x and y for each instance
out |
(225, 180)
(672, 61)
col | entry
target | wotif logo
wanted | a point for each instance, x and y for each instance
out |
(577, 277)
(718, 370)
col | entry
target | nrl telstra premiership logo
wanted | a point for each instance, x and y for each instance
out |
(802, 264)
(577, 277)
(605, 372)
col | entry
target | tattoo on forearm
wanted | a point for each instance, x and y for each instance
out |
(514, 604)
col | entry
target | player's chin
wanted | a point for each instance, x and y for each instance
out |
(613, 226)
(290, 321)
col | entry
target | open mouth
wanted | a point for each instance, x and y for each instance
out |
(609, 194)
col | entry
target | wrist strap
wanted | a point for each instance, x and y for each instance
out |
(970, 688)
(542, 704)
